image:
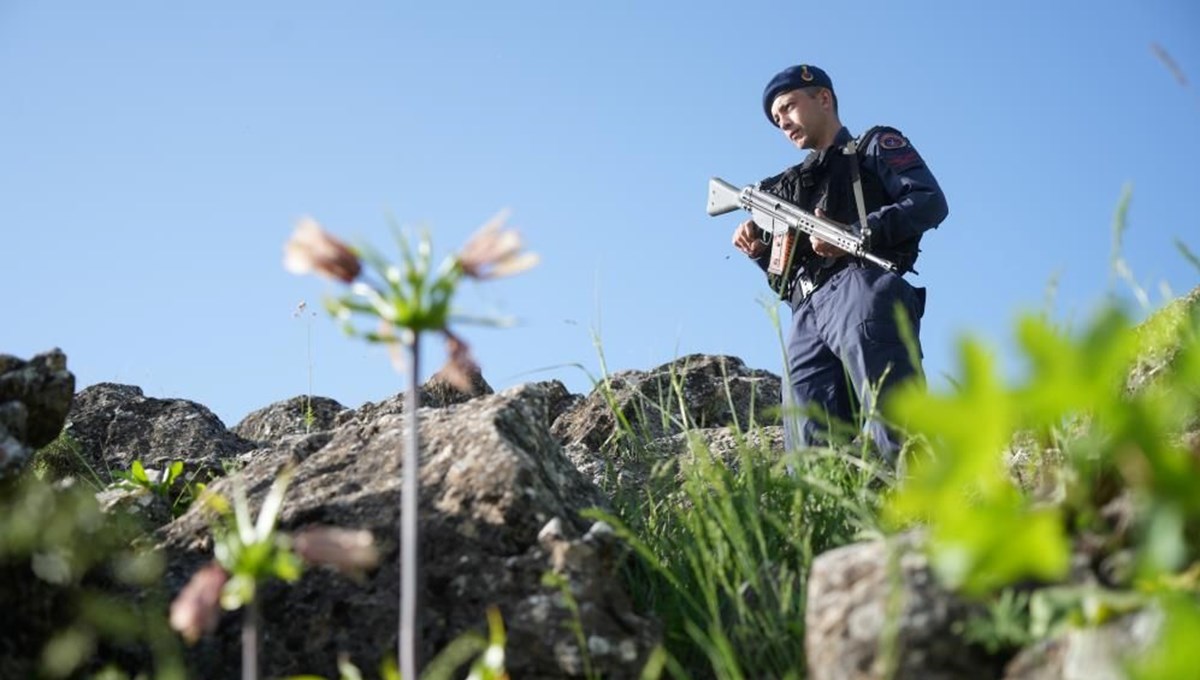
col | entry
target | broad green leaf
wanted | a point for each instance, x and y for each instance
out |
(1173, 655)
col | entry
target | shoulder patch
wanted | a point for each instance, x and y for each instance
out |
(891, 141)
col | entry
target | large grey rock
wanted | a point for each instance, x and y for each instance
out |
(34, 398)
(660, 458)
(863, 601)
(115, 425)
(715, 391)
(1088, 653)
(500, 506)
(290, 416)
(436, 392)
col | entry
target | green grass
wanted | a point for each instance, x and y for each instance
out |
(724, 542)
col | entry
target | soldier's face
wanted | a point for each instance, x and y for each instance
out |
(804, 117)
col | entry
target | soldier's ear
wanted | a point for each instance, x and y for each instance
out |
(827, 98)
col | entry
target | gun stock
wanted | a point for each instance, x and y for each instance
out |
(723, 197)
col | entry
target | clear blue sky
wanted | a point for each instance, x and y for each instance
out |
(155, 156)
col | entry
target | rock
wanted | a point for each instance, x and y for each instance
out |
(633, 472)
(646, 400)
(153, 510)
(115, 425)
(851, 612)
(1087, 653)
(289, 417)
(492, 479)
(435, 393)
(35, 396)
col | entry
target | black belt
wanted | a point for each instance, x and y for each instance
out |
(804, 283)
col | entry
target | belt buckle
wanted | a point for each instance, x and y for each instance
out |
(807, 285)
(804, 286)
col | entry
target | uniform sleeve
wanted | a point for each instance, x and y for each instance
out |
(917, 201)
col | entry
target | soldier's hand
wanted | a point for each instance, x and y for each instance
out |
(823, 248)
(745, 239)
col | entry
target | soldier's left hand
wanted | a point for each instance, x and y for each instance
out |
(823, 248)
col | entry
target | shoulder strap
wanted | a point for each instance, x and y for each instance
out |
(851, 149)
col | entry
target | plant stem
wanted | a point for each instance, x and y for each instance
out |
(308, 412)
(409, 527)
(250, 641)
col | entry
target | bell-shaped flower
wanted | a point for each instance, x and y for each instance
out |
(494, 251)
(345, 550)
(460, 369)
(197, 608)
(313, 250)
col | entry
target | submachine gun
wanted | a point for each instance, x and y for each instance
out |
(782, 221)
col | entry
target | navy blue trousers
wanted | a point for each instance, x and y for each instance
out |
(845, 352)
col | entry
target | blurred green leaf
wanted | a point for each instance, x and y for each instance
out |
(67, 651)
(1173, 656)
(138, 473)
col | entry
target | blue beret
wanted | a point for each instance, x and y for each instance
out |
(793, 78)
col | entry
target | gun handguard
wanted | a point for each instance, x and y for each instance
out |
(776, 215)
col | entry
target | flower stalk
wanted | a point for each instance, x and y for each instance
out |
(400, 302)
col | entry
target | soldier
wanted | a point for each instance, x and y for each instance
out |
(843, 308)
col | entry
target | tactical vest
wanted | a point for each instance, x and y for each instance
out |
(824, 181)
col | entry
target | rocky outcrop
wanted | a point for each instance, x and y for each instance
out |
(115, 425)
(34, 398)
(505, 478)
(298, 415)
(714, 391)
(500, 507)
(877, 606)
(637, 411)
(437, 392)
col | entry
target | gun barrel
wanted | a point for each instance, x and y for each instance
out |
(723, 197)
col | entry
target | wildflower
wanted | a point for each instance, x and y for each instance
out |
(493, 251)
(197, 608)
(460, 369)
(342, 549)
(312, 249)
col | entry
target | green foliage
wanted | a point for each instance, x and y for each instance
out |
(1116, 400)
(411, 296)
(252, 551)
(75, 562)
(485, 654)
(1057, 608)
(725, 547)
(63, 458)
(1173, 656)
(985, 532)
(163, 484)
(1004, 626)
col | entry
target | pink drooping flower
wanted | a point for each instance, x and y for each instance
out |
(343, 549)
(494, 251)
(312, 249)
(460, 369)
(197, 608)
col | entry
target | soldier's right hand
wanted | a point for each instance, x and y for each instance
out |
(746, 239)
